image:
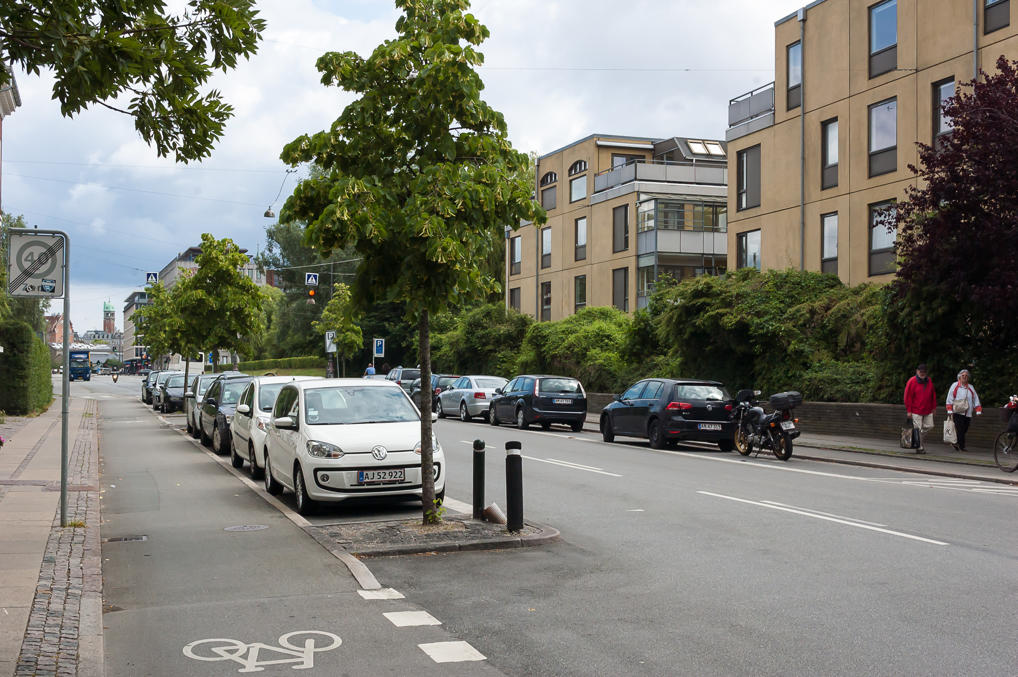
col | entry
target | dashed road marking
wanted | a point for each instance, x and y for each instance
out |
(451, 652)
(409, 619)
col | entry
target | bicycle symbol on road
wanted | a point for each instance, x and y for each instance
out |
(247, 654)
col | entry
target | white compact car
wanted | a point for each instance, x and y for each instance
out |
(334, 439)
(469, 396)
(251, 419)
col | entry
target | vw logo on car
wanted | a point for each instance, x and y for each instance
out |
(379, 452)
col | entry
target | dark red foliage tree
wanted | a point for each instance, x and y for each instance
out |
(954, 300)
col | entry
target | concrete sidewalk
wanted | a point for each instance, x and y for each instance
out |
(50, 577)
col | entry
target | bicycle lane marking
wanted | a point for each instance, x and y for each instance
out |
(248, 654)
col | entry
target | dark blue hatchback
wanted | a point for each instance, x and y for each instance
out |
(664, 411)
(539, 399)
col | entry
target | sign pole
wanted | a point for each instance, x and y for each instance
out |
(66, 390)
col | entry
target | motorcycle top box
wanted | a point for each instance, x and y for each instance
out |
(786, 400)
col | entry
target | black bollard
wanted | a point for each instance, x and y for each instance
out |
(478, 479)
(514, 486)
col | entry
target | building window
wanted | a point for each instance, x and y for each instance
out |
(829, 154)
(794, 54)
(996, 15)
(514, 299)
(883, 232)
(942, 91)
(577, 188)
(577, 167)
(620, 289)
(516, 253)
(748, 195)
(549, 178)
(620, 228)
(883, 137)
(549, 197)
(883, 37)
(579, 293)
(580, 230)
(546, 247)
(829, 243)
(545, 301)
(619, 159)
(748, 249)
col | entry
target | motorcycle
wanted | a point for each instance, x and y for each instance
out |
(757, 429)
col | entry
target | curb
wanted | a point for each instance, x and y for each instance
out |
(547, 535)
(916, 471)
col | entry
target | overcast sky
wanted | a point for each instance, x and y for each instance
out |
(557, 69)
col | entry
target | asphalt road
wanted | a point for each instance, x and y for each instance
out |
(671, 562)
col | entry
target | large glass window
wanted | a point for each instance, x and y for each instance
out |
(577, 188)
(883, 120)
(620, 288)
(545, 301)
(996, 15)
(942, 91)
(883, 233)
(829, 160)
(619, 159)
(579, 292)
(748, 162)
(883, 37)
(546, 247)
(549, 197)
(748, 249)
(516, 252)
(580, 230)
(829, 243)
(620, 228)
(794, 53)
(514, 299)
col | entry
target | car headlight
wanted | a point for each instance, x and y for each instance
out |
(324, 450)
(435, 446)
(263, 421)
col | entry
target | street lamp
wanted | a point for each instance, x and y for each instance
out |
(269, 214)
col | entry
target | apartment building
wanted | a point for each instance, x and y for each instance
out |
(622, 211)
(188, 260)
(134, 356)
(821, 155)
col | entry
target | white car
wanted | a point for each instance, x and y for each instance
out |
(251, 420)
(334, 439)
(469, 396)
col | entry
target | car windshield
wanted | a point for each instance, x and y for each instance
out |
(490, 382)
(176, 381)
(560, 385)
(164, 377)
(204, 382)
(443, 381)
(348, 405)
(267, 395)
(410, 374)
(702, 392)
(79, 363)
(232, 391)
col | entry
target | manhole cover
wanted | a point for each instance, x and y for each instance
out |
(247, 527)
(125, 539)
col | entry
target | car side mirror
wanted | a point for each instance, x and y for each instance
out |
(284, 423)
(243, 409)
(498, 391)
(211, 403)
(188, 394)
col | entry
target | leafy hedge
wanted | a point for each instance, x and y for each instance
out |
(283, 363)
(25, 383)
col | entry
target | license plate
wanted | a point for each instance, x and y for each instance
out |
(381, 476)
(561, 401)
(788, 425)
(709, 426)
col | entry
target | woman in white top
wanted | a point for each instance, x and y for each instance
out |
(962, 403)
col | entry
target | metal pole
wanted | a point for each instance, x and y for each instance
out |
(514, 486)
(66, 395)
(478, 479)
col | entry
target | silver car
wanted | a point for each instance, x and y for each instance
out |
(248, 427)
(193, 397)
(469, 396)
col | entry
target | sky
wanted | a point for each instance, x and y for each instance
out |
(558, 70)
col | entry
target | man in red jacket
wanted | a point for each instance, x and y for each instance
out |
(920, 403)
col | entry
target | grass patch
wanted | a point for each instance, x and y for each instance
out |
(76, 524)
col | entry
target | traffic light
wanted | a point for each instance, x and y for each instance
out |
(311, 295)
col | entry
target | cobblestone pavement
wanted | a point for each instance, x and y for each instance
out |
(70, 572)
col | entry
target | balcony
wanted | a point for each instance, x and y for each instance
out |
(661, 172)
(750, 112)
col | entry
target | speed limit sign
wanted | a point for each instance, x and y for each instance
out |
(35, 264)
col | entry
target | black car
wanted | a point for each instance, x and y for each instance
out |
(439, 382)
(154, 390)
(217, 411)
(147, 385)
(170, 394)
(665, 410)
(539, 399)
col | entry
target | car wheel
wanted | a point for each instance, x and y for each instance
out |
(576, 426)
(545, 426)
(464, 414)
(439, 410)
(521, 419)
(190, 430)
(205, 439)
(726, 445)
(256, 472)
(305, 504)
(271, 485)
(217, 440)
(607, 429)
(235, 459)
(654, 434)
(492, 419)
(194, 429)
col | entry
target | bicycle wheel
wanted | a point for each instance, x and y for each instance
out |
(1005, 451)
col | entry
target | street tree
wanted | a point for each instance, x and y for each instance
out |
(338, 316)
(954, 299)
(102, 52)
(154, 323)
(418, 175)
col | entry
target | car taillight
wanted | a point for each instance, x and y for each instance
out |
(678, 406)
(479, 396)
(728, 407)
(438, 390)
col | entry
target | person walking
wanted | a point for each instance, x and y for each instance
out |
(370, 371)
(962, 404)
(920, 403)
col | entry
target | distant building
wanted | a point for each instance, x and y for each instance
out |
(109, 318)
(134, 356)
(55, 329)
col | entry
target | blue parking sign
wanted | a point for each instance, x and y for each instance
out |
(379, 347)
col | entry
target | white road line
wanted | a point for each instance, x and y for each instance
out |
(451, 652)
(458, 506)
(578, 465)
(409, 619)
(822, 517)
(820, 512)
(570, 466)
(384, 593)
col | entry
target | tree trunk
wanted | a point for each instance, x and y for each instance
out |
(431, 515)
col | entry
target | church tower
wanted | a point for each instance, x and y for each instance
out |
(109, 315)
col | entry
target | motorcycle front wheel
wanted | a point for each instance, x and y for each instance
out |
(742, 443)
(782, 444)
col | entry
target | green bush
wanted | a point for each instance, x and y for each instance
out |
(835, 381)
(25, 383)
(483, 340)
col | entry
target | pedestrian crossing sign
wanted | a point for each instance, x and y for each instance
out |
(311, 279)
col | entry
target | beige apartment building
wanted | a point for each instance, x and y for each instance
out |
(622, 210)
(820, 156)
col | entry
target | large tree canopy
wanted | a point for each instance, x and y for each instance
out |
(100, 51)
(418, 174)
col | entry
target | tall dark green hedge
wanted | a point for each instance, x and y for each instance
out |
(25, 383)
(283, 363)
